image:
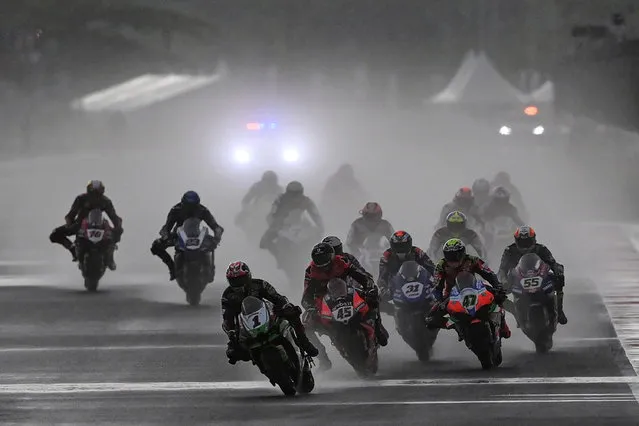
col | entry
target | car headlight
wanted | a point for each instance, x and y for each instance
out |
(505, 130)
(539, 130)
(242, 156)
(291, 155)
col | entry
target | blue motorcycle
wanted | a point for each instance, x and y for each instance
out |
(413, 297)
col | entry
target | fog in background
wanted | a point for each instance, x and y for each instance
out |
(360, 103)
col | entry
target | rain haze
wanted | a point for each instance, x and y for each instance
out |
(421, 98)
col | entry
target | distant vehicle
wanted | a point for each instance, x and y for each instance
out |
(529, 121)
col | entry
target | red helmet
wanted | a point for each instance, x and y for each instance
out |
(401, 242)
(372, 209)
(238, 275)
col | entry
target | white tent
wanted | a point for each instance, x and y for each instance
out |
(477, 81)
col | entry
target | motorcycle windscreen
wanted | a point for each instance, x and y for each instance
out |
(337, 288)
(465, 280)
(410, 271)
(95, 218)
(254, 316)
(191, 227)
(529, 264)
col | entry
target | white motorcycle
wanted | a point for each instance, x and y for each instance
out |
(371, 252)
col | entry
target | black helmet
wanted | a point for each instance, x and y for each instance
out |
(454, 250)
(191, 198)
(481, 186)
(401, 243)
(334, 242)
(95, 187)
(295, 188)
(502, 178)
(323, 255)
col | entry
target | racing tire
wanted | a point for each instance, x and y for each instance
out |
(278, 371)
(91, 284)
(307, 383)
(193, 298)
(92, 270)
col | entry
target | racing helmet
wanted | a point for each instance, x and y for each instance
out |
(337, 288)
(464, 197)
(95, 187)
(502, 178)
(456, 221)
(190, 198)
(525, 238)
(238, 275)
(501, 194)
(336, 243)
(346, 171)
(481, 186)
(372, 210)
(295, 188)
(323, 255)
(401, 243)
(454, 250)
(270, 176)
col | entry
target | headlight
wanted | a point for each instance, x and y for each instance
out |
(539, 130)
(505, 130)
(242, 156)
(291, 155)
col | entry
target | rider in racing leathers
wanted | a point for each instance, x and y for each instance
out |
(503, 179)
(500, 206)
(324, 266)
(292, 200)
(455, 228)
(241, 285)
(401, 250)
(371, 223)
(463, 201)
(526, 242)
(457, 260)
(481, 193)
(94, 198)
(343, 189)
(336, 243)
(188, 207)
(265, 190)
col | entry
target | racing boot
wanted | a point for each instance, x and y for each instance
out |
(325, 362)
(504, 330)
(509, 306)
(74, 253)
(110, 262)
(380, 332)
(561, 316)
(306, 345)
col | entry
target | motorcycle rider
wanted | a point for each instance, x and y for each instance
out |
(500, 206)
(456, 227)
(455, 261)
(371, 223)
(188, 207)
(342, 187)
(336, 243)
(401, 250)
(325, 264)
(463, 201)
(481, 193)
(293, 199)
(93, 198)
(267, 189)
(503, 179)
(526, 242)
(241, 285)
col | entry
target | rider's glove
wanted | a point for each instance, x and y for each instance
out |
(500, 296)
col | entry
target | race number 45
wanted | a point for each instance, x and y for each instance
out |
(343, 313)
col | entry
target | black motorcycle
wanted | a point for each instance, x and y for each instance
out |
(92, 243)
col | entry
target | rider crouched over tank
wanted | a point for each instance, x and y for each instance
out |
(241, 285)
(456, 260)
(526, 242)
(338, 247)
(371, 223)
(188, 207)
(94, 198)
(401, 250)
(324, 266)
(456, 227)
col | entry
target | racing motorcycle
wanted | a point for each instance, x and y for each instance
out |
(473, 312)
(498, 233)
(252, 220)
(412, 297)
(193, 259)
(344, 313)
(532, 286)
(271, 344)
(92, 243)
(371, 252)
(294, 242)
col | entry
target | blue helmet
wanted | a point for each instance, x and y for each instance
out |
(190, 197)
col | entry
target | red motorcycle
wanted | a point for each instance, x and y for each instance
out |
(351, 327)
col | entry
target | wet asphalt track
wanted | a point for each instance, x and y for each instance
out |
(135, 354)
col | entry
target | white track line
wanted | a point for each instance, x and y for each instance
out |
(107, 348)
(458, 402)
(75, 388)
